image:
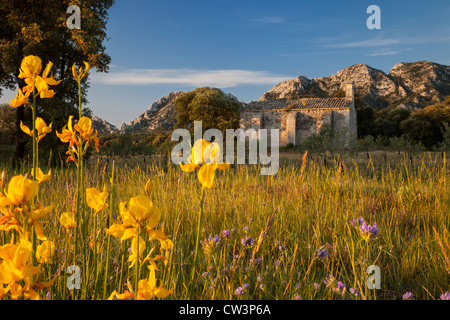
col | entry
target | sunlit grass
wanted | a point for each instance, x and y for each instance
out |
(288, 216)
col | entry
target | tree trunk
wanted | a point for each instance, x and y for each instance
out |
(20, 116)
(18, 137)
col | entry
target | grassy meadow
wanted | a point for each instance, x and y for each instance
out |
(287, 236)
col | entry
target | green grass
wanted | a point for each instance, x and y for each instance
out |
(410, 203)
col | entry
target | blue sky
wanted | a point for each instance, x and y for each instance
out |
(245, 47)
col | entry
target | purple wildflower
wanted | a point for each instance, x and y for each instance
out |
(246, 286)
(316, 286)
(408, 296)
(445, 296)
(328, 280)
(247, 241)
(239, 291)
(357, 222)
(355, 291)
(298, 297)
(226, 233)
(367, 231)
(321, 252)
(205, 274)
(277, 263)
(210, 244)
(255, 261)
(259, 279)
(340, 288)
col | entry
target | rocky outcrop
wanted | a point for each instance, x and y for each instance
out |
(159, 116)
(410, 85)
(103, 126)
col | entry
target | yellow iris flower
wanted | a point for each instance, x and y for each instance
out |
(84, 127)
(73, 133)
(35, 214)
(134, 254)
(44, 252)
(21, 190)
(21, 98)
(124, 296)
(209, 155)
(80, 74)
(40, 176)
(67, 134)
(41, 128)
(67, 220)
(140, 212)
(17, 271)
(148, 290)
(42, 83)
(96, 199)
(30, 67)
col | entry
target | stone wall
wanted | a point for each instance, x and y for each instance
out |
(296, 125)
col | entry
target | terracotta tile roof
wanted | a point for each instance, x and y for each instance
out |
(305, 103)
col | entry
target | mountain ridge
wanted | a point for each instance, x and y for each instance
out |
(410, 85)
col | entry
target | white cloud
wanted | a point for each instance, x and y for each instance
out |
(378, 42)
(188, 77)
(381, 42)
(271, 20)
(384, 52)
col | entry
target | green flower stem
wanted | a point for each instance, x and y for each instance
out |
(79, 100)
(65, 264)
(95, 254)
(33, 112)
(122, 268)
(136, 266)
(199, 228)
(108, 248)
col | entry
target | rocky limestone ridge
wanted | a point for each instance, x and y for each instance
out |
(412, 85)
(103, 126)
(160, 115)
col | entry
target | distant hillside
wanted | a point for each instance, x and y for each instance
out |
(103, 126)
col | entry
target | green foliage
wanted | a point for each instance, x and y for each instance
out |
(7, 124)
(328, 139)
(136, 143)
(365, 120)
(426, 125)
(447, 101)
(445, 144)
(210, 106)
(422, 128)
(126, 144)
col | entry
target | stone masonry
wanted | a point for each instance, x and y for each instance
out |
(301, 118)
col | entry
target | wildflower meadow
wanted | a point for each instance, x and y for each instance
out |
(97, 230)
